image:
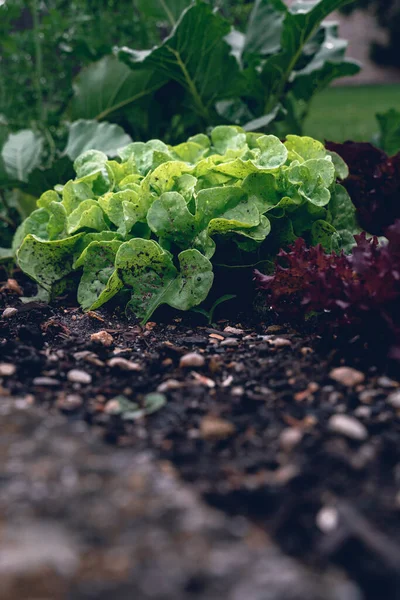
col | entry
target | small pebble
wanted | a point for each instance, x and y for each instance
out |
(368, 396)
(327, 519)
(102, 337)
(69, 402)
(214, 428)
(279, 342)
(192, 359)
(233, 330)
(79, 376)
(7, 369)
(230, 342)
(124, 364)
(46, 381)
(9, 312)
(347, 376)
(348, 426)
(289, 438)
(169, 384)
(394, 399)
(363, 412)
(386, 382)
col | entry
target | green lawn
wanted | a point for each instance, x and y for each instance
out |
(348, 113)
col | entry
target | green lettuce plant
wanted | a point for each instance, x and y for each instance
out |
(152, 224)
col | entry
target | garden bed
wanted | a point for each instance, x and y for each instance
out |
(254, 415)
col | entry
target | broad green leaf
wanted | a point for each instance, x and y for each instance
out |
(146, 156)
(268, 154)
(99, 281)
(164, 178)
(323, 233)
(214, 202)
(47, 261)
(88, 215)
(75, 192)
(170, 219)
(91, 168)
(389, 124)
(148, 270)
(197, 57)
(225, 137)
(21, 154)
(341, 169)
(107, 86)
(303, 148)
(90, 135)
(189, 152)
(313, 179)
(261, 189)
(343, 218)
(45, 223)
(124, 209)
(264, 28)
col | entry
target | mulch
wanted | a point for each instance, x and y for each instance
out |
(258, 417)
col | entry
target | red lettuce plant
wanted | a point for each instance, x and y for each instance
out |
(361, 290)
(373, 184)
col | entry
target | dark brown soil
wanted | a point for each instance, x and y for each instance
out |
(250, 430)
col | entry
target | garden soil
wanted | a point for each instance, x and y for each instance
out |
(266, 467)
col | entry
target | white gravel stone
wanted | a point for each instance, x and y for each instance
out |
(289, 438)
(348, 426)
(394, 399)
(9, 312)
(347, 376)
(7, 369)
(192, 359)
(79, 376)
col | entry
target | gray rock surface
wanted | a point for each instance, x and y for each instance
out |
(83, 520)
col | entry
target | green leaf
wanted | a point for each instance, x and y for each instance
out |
(90, 135)
(167, 10)
(343, 218)
(197, 57)
(323, 233)
(389, 123)
(47, 261)
(107, 86)
(146, 157)
(21, 154)
(6, 254)
(209, 314)
(91, 167)
(313, 179)
(300, 25)
(99, 281)
(148, 270)
(46, 178)
(266, 16)
(73, 193)
(88, 215)
(124, 209)
(170, 219)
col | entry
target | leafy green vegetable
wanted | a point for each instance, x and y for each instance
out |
(149, 223)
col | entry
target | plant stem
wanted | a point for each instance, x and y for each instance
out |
(41, 111)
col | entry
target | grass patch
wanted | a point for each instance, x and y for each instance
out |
(348, 113)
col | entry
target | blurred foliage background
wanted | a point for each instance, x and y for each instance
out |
(45, 43)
